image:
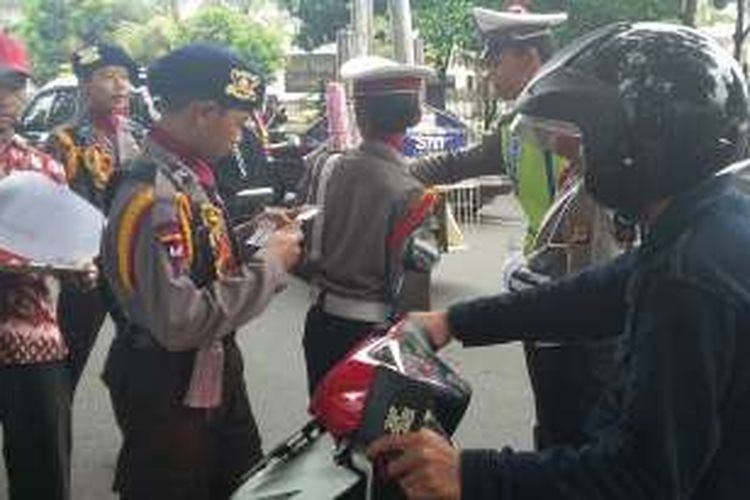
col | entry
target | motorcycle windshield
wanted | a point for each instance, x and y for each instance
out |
(359, 389)
(406, 350)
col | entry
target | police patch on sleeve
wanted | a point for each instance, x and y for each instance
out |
(176, 236)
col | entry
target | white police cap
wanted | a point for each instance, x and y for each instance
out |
(374, 75)
(516, 25)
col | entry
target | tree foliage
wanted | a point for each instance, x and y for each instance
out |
(321, 19)
(444, 24)
(53, 29)
(586, 15)
(148, 41)
(227, 26)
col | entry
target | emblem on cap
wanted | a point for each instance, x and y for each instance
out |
(89, 55)
(243, 85)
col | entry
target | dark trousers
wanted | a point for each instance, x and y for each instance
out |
(568, 382)
(81, 313)
(327, 340)
(170, 451)
(35, 416)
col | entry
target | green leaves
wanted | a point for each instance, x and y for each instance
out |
(585, 15)
(321, 20)
(227, 26)
(53, 29)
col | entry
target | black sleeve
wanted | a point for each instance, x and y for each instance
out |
(668, 428)
(446, 168)
(587, 306)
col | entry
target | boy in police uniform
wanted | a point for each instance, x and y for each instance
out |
(567, 380)
(375, 202)
(186, 284)
(100, 141)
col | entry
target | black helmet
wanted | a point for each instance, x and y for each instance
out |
(659, 108)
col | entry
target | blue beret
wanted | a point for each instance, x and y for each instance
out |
(92, 57)
(202, 71)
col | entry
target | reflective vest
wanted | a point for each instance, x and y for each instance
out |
(536, 174)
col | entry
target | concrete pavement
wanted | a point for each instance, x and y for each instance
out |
(500, 413)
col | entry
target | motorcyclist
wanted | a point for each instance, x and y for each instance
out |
(660, 110)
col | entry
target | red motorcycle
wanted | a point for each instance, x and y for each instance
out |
(390, 384)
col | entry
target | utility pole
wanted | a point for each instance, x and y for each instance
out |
(403, 36)
(362, 15)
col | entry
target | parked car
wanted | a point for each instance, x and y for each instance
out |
(59, 101)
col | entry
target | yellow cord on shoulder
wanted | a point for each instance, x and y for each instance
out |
(185, 219)
(71, 154)
(132, 217)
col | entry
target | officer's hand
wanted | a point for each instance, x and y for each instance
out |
(435, 325)
(426, 465)
(284, 244)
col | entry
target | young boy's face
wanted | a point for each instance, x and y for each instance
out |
(108, 89)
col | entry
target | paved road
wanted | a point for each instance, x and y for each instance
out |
(500, 412)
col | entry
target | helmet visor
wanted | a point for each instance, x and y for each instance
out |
(562, 139)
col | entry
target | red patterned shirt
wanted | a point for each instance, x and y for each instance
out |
(29, 331)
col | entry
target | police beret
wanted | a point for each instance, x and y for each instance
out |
(92, 57)
(202, 71)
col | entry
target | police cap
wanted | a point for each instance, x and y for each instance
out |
(203, 71)
(514, 27)
(373, 75)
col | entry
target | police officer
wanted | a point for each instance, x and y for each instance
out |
(375, 203)
(566, 230)
(186, 284)
(660, 109)
(100, 141)
(516, 44)
(35, 393)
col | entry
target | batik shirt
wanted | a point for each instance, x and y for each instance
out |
(29, 332)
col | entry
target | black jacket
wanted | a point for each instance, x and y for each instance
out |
(680, 427)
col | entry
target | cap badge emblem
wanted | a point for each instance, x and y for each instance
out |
(242, 85)
(89, 55)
